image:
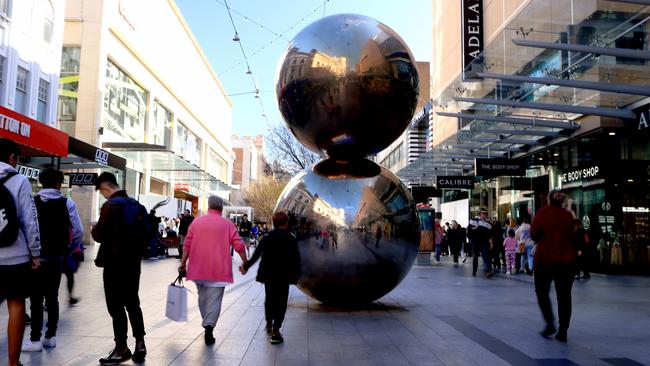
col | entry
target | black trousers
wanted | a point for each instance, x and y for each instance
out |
(45, 285)
(562, 277)
(121, 286)
(581, 265)
(275, 303)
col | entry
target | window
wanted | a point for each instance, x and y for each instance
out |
(2, 70)
(20, 104)
(186, 144)
(125, 106)
(4, 7)
(160, 127)
(48, 20)
(43, 93)
(217, 166)
(69, 84)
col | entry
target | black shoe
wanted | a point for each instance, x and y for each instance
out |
(116, 357)
(28, 320)
(140, 352)
(73, 301)
(209, 338)
(276, 337)
(577, 277)
(586, 277)
(489, 274)
(548, 331)
(561, 336)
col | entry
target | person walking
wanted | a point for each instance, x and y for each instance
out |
(279, 268)
(20, 244)
(510, 247)
(497, 252)
(245, 228)
(154, 234)
(438, 233)
(59, 224)
(553, 229)
(454, 238)
(479, 232)
(526, 245)
(207, 261)
(122, 230)
(582, 250)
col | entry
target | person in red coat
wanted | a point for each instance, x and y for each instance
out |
(555, 256)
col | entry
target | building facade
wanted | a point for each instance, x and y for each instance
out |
(557, 91)
(121, 90)
(31, 34)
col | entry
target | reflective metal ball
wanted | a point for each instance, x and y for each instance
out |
(358, 237)
(347, 85)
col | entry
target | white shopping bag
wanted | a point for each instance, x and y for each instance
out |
(176, 309)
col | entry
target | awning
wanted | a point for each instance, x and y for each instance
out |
(536, 81)
(83, 155)
(164, 164)
(35, 138)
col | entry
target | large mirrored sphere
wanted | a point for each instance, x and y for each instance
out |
(347, 85)
(358, 237)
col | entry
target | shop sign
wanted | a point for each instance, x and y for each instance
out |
(28, 171)
(101, 156)
(472, 30)
(499, 168)
(32, 133)
(82, 179)
(643, 118)
(581, 174)
(458, 182)
(184, 187)
(93, 153)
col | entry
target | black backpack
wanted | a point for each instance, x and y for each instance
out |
(9, 224)
(136, 225)
(54, 224)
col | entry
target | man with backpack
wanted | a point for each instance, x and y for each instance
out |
(20, 244)
(60, 226)
(122, 230)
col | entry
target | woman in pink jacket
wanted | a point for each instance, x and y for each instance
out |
(206, 255)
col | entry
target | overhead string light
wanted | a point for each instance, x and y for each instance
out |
(277, 35)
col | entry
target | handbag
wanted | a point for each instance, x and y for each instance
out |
(176, 308)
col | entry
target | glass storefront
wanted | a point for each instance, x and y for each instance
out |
(125, 106)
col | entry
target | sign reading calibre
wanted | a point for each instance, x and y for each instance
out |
(499, 168)
(455, 181)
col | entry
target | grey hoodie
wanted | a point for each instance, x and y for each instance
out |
(47, 194)
(28, 242)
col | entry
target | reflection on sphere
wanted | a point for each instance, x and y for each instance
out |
(347, 85)
(358, 237)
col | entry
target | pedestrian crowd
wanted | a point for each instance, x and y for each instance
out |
(41, 240)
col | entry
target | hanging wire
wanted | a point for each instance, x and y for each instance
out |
(251, 20)
(278, 35)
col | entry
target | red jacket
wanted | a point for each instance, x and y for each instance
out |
(553, 232)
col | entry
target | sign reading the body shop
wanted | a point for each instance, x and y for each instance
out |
(591, 172)
(499, 168)
(472, 47)
(458, 182)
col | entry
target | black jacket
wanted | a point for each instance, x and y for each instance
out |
(280, 258)
(185, 224)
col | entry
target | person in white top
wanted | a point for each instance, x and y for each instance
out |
(522, 235)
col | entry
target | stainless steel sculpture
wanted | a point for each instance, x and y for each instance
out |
(347, 86)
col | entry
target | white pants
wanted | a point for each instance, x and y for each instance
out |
(210, 303)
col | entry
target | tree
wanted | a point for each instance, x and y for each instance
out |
(262, 194)
(287, 153)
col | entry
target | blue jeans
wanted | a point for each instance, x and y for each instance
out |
(527, 257)
(438, 252)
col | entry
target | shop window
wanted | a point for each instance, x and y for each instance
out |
(217, 166)
(48, 20)
(160, 127)
(125, 106)
(20, 103)
(43, 93)
(69, 84)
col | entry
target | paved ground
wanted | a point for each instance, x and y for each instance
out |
(439, 315)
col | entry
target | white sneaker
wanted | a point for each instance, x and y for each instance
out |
(508, 273)
(29, 346)
(49, 342)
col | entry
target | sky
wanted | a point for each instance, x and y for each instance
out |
(265, 28)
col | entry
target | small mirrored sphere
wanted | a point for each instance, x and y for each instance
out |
(358, 237)
(347, 85)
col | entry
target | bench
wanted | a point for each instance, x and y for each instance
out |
(171, 242)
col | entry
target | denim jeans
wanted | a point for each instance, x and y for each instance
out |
(438, 252)
(527, 257)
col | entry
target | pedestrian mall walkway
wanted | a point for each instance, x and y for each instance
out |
(439, 315)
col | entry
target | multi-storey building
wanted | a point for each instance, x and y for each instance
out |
(558, 90)
(135, 81)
